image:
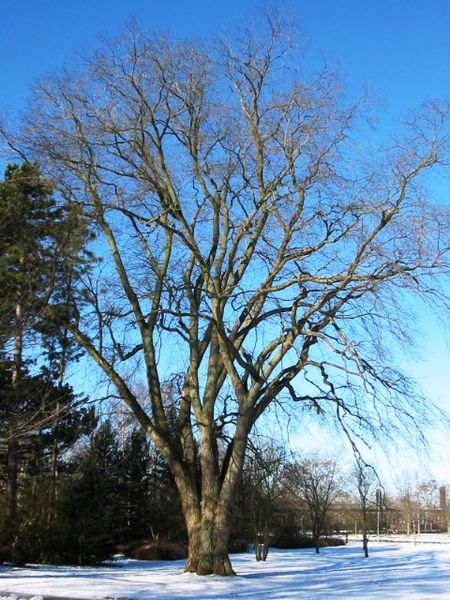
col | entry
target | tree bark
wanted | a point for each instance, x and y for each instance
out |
(206, 517)
(12, 476)
(52, 496)
(207, 509)
(208, 535)
(13, 444)
(365, 545)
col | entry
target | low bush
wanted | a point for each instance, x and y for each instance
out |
(153, 550)
(291, 542)
(237, 547)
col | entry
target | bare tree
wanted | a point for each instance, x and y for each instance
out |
(263, 486)
(316, 483)
(249, 240)
(419, 506)
(368, 497)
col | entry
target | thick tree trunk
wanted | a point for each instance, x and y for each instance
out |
(213, 556)
(207, 526)
(206, 516)
(207, 487)
(208, 547)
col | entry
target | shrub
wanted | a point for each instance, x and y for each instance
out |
(153, 550)
(237, 546)
(302, 541)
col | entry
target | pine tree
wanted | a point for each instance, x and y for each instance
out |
(41, 255)
(29, 537)
(87, 511)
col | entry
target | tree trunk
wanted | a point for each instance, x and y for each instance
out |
(13, 444)
(213, 555)
(208, 544)
(52, 493)
(52, 483)
(366, 545)
(261, 546)
(207, 515)
(11, 483)
(208, 525)
(316, 539)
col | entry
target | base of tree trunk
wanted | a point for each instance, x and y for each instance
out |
(210, 565)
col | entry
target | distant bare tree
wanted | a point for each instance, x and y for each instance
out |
(250, 240)
(418, 505)
(316, 483)
(368, 498)
(262, 476)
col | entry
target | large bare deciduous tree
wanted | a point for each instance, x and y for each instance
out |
(253, 245)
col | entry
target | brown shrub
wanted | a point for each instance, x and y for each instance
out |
(332, 541)
(151, 550)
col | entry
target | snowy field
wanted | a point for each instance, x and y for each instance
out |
(395, 570)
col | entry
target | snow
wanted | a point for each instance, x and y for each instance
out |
(395, 570)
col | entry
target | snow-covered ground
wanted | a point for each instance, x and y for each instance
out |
(395, 570)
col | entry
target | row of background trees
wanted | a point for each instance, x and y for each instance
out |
(112, 488)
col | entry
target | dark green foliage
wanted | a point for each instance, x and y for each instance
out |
(87, 519)
(30, 410)
(165, 516)
(42, 253)
(30, 246)
(113, 494)
(113, 490)
(32, 416)
(290, 541)
(133, 481)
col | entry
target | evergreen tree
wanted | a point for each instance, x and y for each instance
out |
(26, 537)
(26, 272)
(133, 509)
(88, 519)
(41, 255)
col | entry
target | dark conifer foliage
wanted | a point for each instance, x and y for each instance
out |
(30, 232)
(41, 256)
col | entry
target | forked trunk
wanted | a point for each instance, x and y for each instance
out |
(208, 545)
(261, 546)
(207, 495)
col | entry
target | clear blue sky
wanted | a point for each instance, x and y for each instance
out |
(400, 49)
